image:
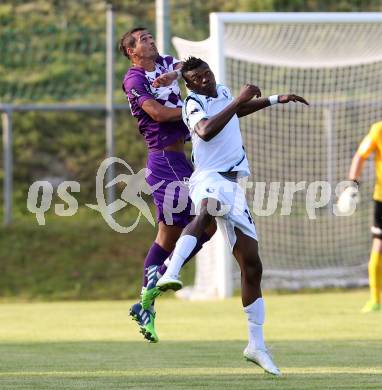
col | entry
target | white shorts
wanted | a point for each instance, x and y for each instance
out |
(235, 211)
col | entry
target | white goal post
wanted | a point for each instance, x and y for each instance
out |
(335, 61)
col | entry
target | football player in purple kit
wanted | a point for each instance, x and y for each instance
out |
(154, 96)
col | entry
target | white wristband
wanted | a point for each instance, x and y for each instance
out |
(178, 74)
(274, 99)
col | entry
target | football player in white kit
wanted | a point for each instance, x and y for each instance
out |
(212, 116)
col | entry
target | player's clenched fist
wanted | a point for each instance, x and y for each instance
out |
(247, 92)
(291, 98)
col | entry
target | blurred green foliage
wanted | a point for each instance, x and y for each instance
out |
(55, 50)
(68, 146)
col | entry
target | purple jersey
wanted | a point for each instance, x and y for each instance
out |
(137, 85)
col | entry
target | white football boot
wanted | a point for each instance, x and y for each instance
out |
(169, 282)
(262, 358)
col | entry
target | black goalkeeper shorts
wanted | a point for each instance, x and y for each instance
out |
(378, 214)
(376, 229)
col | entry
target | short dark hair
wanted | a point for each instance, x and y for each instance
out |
(192, 63)
(128, 40)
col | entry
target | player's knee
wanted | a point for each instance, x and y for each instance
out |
(376, 232)
(253, 268)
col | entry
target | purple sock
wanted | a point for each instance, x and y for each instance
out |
(202, 240)
(156, 256)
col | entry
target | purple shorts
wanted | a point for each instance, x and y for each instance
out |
(171, 199)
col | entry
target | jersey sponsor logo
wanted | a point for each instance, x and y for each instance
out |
(210, 190)
(225, 93)
(134, 92)
(194, 111)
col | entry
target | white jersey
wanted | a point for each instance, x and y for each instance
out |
(225, 151)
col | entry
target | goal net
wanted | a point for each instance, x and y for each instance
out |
(335, 62)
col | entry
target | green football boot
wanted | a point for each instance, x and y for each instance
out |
(145, 320)
(371, 306)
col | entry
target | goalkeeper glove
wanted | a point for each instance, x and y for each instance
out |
(349, 198)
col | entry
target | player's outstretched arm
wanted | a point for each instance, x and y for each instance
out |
(252, 106)
(209, 128)
(161, 113)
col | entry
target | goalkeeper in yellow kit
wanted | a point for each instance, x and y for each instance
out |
(372, 143)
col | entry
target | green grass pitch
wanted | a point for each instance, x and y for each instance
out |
(320, 341)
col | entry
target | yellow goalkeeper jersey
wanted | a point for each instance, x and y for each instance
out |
(373, 143)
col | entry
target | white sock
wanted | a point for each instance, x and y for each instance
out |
(184, 246)
(256, 314)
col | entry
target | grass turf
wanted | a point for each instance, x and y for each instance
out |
(320, 341)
